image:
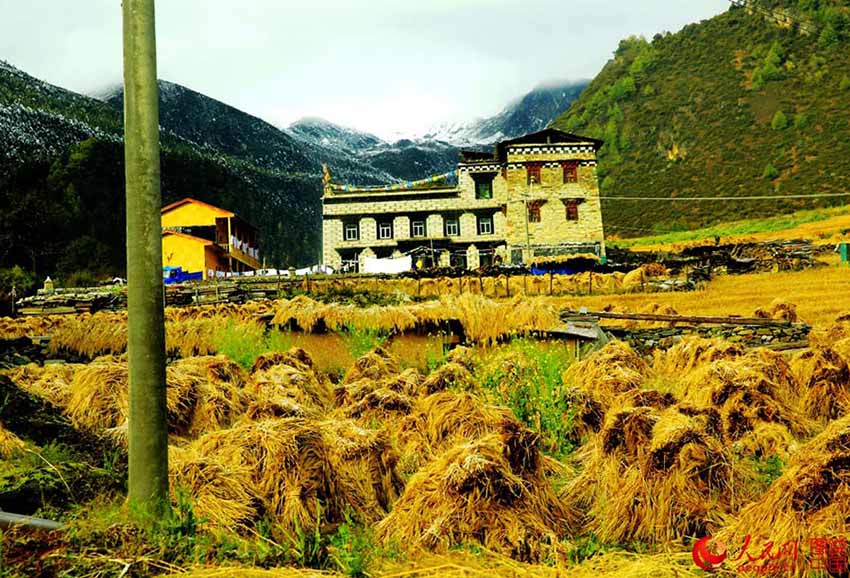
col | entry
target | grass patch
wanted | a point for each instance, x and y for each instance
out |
(243, 342)
(526, 375)
(735, 228)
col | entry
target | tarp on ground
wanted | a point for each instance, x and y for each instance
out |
(399, 265)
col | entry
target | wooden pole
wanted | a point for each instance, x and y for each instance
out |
(148, 426)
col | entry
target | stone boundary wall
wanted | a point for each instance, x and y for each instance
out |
(646, 340)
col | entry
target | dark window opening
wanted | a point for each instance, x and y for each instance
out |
(570, 172)
(483, 185)
(533, 173)
(571, 210)
(534, 211)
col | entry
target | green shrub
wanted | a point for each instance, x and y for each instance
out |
(801, 120)
(844, 85)
(770, 172)
(531, 385)
(780, 121)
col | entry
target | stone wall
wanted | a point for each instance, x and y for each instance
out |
(646, 340)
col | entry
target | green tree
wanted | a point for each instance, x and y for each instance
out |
(780, 121)
(844, 85)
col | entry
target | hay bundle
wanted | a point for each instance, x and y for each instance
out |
(381, 404)
(628, 432)
(445, 418)
(694, 351)
(612, 370)
(221, 493)
(634, 280)
(490, 491)
(207, 392)
(589, 414)
(376, 365)
(201, 393)
(98, 396)
(451, 375)
(289, 469)
(295, 357)
(91, 335)
(744, 397)
(824, 377)
(810, 499)
(301, 310)
(50, 382)
(10, 444)
(429, 288)
(407, 382)
(767, 440)
(647, 398)
(364, 464)
(286, 386)
(660, 477)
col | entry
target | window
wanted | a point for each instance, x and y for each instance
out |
(451, 226)
(534, 211)
(351, 231)
(417, 228)
(533, 174)
(571, 206)
(570, 171)
(485, 225)
(483, 185)
(385, 230)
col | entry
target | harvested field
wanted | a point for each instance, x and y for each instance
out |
(530, 462)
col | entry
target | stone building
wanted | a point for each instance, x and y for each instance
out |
(536, 195)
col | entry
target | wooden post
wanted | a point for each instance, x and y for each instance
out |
(419, 286)
(525, 284)
(148, 414)
(481, 284)
(550, 282)
(590, 284)
(508, 285)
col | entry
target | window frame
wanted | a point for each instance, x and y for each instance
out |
(570, 171)
(571, 210)
(534, 213)
(533, 168)
(481, 220)
(381, 226)
(348, 226)
(414, 223)
(453, 220)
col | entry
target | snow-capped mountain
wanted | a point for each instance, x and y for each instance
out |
(531, 113)
(437, 150)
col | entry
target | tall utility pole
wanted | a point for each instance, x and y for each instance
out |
(148, 425)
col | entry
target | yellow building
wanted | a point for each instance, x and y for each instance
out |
(199, 237)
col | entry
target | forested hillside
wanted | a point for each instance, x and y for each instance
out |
(62, 178)
(751, 102)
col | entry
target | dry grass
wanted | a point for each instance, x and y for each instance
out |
(490, 491)
(810, 499)
(818, 293)
(10, 444)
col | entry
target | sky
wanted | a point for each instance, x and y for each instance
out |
(390, 67)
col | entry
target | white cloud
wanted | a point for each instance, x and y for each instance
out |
(387, 66)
